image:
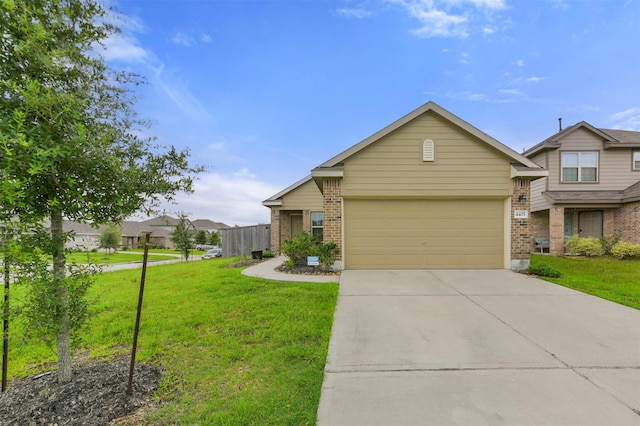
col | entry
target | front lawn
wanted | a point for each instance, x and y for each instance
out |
(235, 350)
(606, 277)
(101, 258)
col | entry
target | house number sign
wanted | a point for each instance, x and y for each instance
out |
(521, 214)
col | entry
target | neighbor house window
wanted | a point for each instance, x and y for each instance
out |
(579, 166)
(636, 160)
(317, 225)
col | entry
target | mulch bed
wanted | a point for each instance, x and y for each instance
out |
(96, 396)
(305, 270)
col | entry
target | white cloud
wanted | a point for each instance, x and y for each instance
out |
(464, 58)
(509, 92)
(448, 18)
(182, 39)
(123, 48)
(206, 38)
(180, 94)
(234, 199)
(628, 119)
(519, 63)
(354, 13)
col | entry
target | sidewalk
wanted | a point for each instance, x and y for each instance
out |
(267, 271)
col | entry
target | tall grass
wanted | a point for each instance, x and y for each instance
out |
(234, 349)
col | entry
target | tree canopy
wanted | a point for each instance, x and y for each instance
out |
(71, 143)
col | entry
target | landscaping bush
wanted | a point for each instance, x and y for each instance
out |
(304, 245)
(584, 246)
(544, 270)
(608, 243)
(624, 250)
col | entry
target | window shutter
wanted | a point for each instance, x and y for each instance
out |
(428, 150)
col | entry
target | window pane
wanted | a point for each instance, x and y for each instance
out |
(589, 159)
(570, 159)
(316, 218)
(317, 233)
(570, 175)
(636, 160)
(589, 174)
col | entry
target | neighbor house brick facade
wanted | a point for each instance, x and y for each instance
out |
(428, 191)
(593, 187)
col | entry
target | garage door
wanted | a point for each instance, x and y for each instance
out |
(423, 234)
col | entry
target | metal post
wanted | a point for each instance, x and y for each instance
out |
(5, 328)
(137, 327)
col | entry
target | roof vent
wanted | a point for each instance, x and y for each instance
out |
(428, 150)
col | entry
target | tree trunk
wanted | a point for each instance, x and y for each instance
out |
(63, 338)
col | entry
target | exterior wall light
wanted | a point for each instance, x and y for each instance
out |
(522, 199)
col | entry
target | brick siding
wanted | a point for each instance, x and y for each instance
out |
(520, 227)
(332, 206)
(627, 222)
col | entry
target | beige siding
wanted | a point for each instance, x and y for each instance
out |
(306, 197)
(393, 166)
(614, 164)
(539, 201)
(418, 234)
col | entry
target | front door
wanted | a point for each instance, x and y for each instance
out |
(590, 223)
(296, 224)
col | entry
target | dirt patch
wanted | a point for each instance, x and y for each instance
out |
(96, 396)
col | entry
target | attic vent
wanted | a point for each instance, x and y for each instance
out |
(428, 150)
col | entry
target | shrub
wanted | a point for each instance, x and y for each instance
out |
(622, 250)
(607, 243)
(268, 254)
(544, 270)
(304, 245)
(584, 246)
(299, 248)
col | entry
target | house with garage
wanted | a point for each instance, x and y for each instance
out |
(593, 187)
(428, 191)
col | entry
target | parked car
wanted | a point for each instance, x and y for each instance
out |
(216, 252)
(204, 247)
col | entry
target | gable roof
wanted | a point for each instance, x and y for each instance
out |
(430, 106)
(611, 138)
(276, 200)
(521, 165)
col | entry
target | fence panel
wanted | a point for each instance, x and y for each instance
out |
(242, 240)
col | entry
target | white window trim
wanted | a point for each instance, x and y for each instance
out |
(580, 167)
(635, 158)
(316, 227)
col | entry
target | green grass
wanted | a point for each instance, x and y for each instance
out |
(110, 258)
(606, 277)
(235, 350)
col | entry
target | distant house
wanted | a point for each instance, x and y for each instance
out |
(593, 187)
(87, 236)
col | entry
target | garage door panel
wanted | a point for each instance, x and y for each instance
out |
(417, 234)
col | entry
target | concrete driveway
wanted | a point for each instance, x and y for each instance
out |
(481, 347)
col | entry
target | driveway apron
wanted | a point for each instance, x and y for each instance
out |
(478, 347)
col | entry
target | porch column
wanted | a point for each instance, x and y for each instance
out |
(332, 207)
(520, 224)
(275, 230)
(556, 230)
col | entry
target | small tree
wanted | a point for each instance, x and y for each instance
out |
(182, 235)
(201, 237)
(110, 237)
(214, 238)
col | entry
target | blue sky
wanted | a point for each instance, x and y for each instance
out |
(261, 92)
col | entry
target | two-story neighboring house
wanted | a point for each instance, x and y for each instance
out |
(593, 187)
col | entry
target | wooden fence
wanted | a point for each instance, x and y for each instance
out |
(242, 240)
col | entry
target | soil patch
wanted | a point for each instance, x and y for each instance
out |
(96, 396)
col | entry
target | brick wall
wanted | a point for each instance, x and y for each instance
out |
(332, 206)
(275, 230)
(556, 230)
(627, 222)
(520, 227)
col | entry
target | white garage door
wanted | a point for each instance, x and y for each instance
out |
(424, 234)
